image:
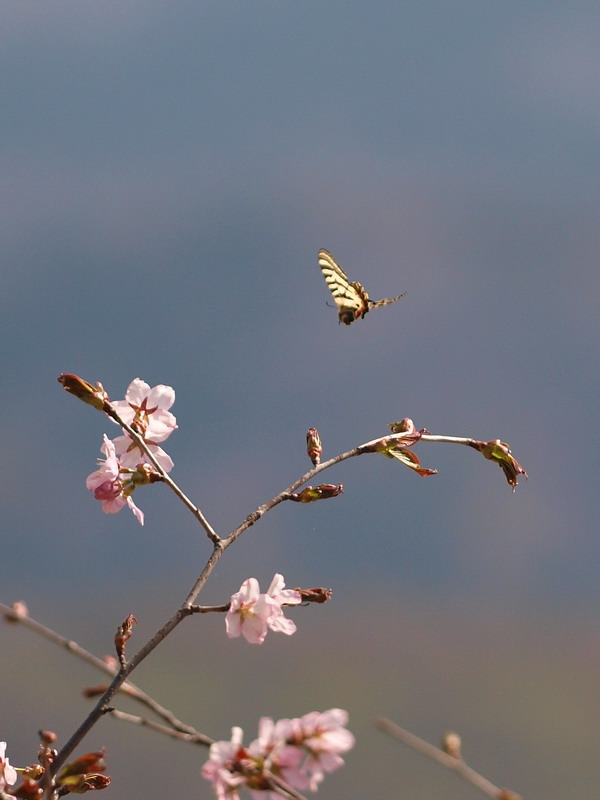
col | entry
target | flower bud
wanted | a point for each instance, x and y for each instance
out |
(19, 611)
(123, 635)
(314, 448)
(93, 395)
(316, 595)
(451, 744)
(321, 492)
(94, 691)
(47, 737)
(90, 762)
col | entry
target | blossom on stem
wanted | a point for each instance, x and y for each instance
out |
(109, 487)
(131, 455)
(279, 596)
(8, 774)
(251, 614)
(222, 767)
(146, 409)
(323, 737)
(299, 751)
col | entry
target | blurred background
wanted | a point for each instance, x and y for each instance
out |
(169, 171)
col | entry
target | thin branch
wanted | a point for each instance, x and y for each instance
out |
(451, 762)
(192, 738)
(212, 534)
(279, 786)
(220, 545)
(284, 789)
(128, 688)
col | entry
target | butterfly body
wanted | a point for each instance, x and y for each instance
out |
(351, 298)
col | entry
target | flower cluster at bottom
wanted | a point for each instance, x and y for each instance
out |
(298, 751)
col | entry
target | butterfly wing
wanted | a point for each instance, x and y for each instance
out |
(351, 298)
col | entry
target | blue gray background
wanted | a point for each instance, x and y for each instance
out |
(169, 171)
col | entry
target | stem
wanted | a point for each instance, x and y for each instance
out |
(212, 534)
(128, 688)
(220, 545)
(193, 738)
(102, 705)
(451, 762)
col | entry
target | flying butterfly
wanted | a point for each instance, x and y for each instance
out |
(351, 298)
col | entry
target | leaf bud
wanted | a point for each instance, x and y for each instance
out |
(499, 452)
(314, 448)
(405, 425)
(310, 494)
(92, 394)
(316, 595)
(123, 635)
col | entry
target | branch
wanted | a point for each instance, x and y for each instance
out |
(452, 762)
(212, 534)
(128, 688)
(277, 784)
(192, 738)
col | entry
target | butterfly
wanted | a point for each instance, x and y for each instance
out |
(351, 299)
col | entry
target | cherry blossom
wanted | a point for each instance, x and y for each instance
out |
(299, 751)
(223, 761)
(107, 485)
(8, 774)
(131, 456)
(249, 613)
(147, 409)
(252, 614)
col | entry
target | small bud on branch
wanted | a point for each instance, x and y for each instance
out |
(314, 448)
(316, 595)
(451, 744)
(92, 394)
(405, 425)
(123, 635)
(310, 494)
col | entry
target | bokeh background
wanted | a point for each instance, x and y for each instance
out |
(169, 171)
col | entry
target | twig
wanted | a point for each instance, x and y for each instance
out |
(279, 786)
(212, 534)
(192, 738)
(445, 759)
(219, 547)
(128, 688)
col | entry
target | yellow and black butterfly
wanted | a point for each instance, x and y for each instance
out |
(351, 299)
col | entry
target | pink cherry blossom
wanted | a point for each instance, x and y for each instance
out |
(8, 774)
(220, 769)
(290, 597)
(251, 613)
(147, 408)
(299, 751)
(323, 737)
(131, 456)
(107, 485)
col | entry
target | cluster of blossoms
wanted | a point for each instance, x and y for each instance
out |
(126, 466)
(8, 774)
(251, 614)
(297, 751)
